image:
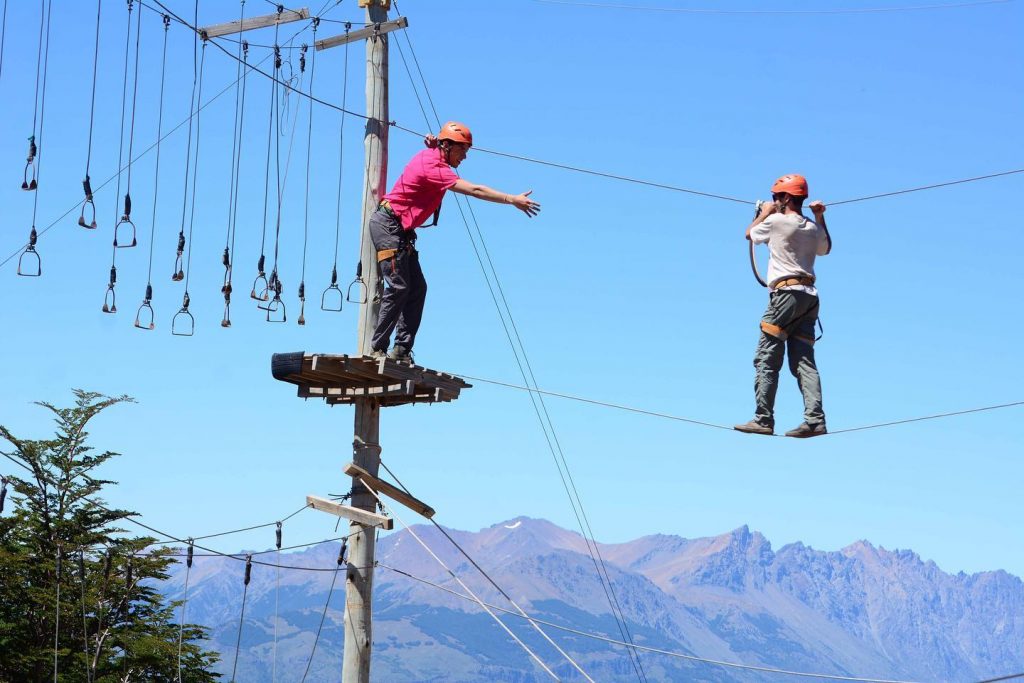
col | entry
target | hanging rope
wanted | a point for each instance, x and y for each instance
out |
(126, 222)
(333, 293)
(85, 617)
(236, 156)
(3, 35)
(3, 492)
(260, 286)
(277, 596)
(323, 615)
(87, 203)
(183, 324)
(178, 274)
(29, 264)
(241, 618)
(184, 602)
(274, 282)
(56, 618)
(309, 151)
(145, 318)
(30, 170)
(110, 297)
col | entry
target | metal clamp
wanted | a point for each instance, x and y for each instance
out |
(335, 294)
(87, 204)
(361, 283)
(144, 316)
(25, 267)
(124, 224)
(179, 273)
(30, 166)
(110, 298)
(183, 324)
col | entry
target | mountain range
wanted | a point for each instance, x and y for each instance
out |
(862, 611)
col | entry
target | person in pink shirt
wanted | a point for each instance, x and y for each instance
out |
(416, 198)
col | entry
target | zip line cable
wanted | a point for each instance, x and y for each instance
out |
(241, 618)
(654, 650)
(480, 602)
(110, 296)
(694, 10)
(241, 72)
(85, 618)
(323, 615)
(547, 426)
(87, 203)
(56, 618)
(928, 187)
(147, 308)
(490, 580)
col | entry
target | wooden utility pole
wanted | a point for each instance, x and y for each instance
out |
(366, 442)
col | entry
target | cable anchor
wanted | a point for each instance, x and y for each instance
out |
(144, 316)
(179, 273)
(110, 298)
(326, 305)
(30, 166)
(33, 267)
(187, 326)
(261, 277)
(87, 204)
(360, 283)
(124, 224)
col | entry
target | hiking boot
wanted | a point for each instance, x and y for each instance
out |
(755, 427)
(377, 354)
(401, 354)
(806, 431)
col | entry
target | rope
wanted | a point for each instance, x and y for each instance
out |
(929, 187)
(42, 114)
(323, 615)
(236, 168)
(178, 275)
(277, 600)
(56, 620)
(85, 618)
(341, 165)
(184, 602)
(309, 154)
(480, 569)
(111, 306)
(195, 173)
(1002, 678)
(693, 10)
(135, 99)
(92, 104)
(545, 421)
(241, 618)
(3, 36)
(654, 650)
(465, 587)
(261, 267)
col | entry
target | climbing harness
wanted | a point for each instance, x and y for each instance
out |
(309, 153)
(110, 296)
(261, 286)
(29, 263)
(236, 163)
(126, 222)
(332, 298)
(144, 318)
(87, 204)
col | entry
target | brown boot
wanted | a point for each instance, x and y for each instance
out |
(806, 431)
(755, 427)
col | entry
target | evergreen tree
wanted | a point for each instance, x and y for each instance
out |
(77, 593)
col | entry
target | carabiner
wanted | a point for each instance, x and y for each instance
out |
(333, 286)
(126, 220)
(187, 326)
(264, 288)
(24, 267)
(302, 303)
(179, 274)
(110, 298)
(91, 223)
(30, 166)
(362, 286)
(146, 310)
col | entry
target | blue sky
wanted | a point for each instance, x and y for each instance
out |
(621, 292)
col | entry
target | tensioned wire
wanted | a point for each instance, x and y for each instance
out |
(838, 10)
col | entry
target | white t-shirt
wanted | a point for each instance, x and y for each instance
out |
(793, 242)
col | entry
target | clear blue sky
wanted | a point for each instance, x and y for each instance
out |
(622, 292)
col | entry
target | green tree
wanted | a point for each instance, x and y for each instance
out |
(78, 593)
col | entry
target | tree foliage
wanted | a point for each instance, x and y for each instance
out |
(77, 592)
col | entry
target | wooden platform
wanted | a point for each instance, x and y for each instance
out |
(344, 379)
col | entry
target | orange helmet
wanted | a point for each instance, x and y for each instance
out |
(456, 132)
(792, 184)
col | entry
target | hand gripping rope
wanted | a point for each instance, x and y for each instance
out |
(332, 298)
(87, 204)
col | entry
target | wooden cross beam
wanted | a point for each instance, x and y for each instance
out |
(381, 486)
(230, 27)
(361, 34)
(353, 514)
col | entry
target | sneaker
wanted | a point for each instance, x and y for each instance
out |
(755, 427)
(401, 354)
(806, 431)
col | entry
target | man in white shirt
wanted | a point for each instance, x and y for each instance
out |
(793, 243)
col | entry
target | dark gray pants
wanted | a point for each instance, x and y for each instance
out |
(788, 326)
(401, 306)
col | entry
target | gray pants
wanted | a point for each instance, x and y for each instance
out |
(401, 305)
(787, 325)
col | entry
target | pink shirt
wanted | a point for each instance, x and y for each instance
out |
(419, 190)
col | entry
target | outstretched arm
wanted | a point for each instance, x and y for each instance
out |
(520, 201)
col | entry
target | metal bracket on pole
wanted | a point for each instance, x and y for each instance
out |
(230, 27)
(354, 514)
(362, 34)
